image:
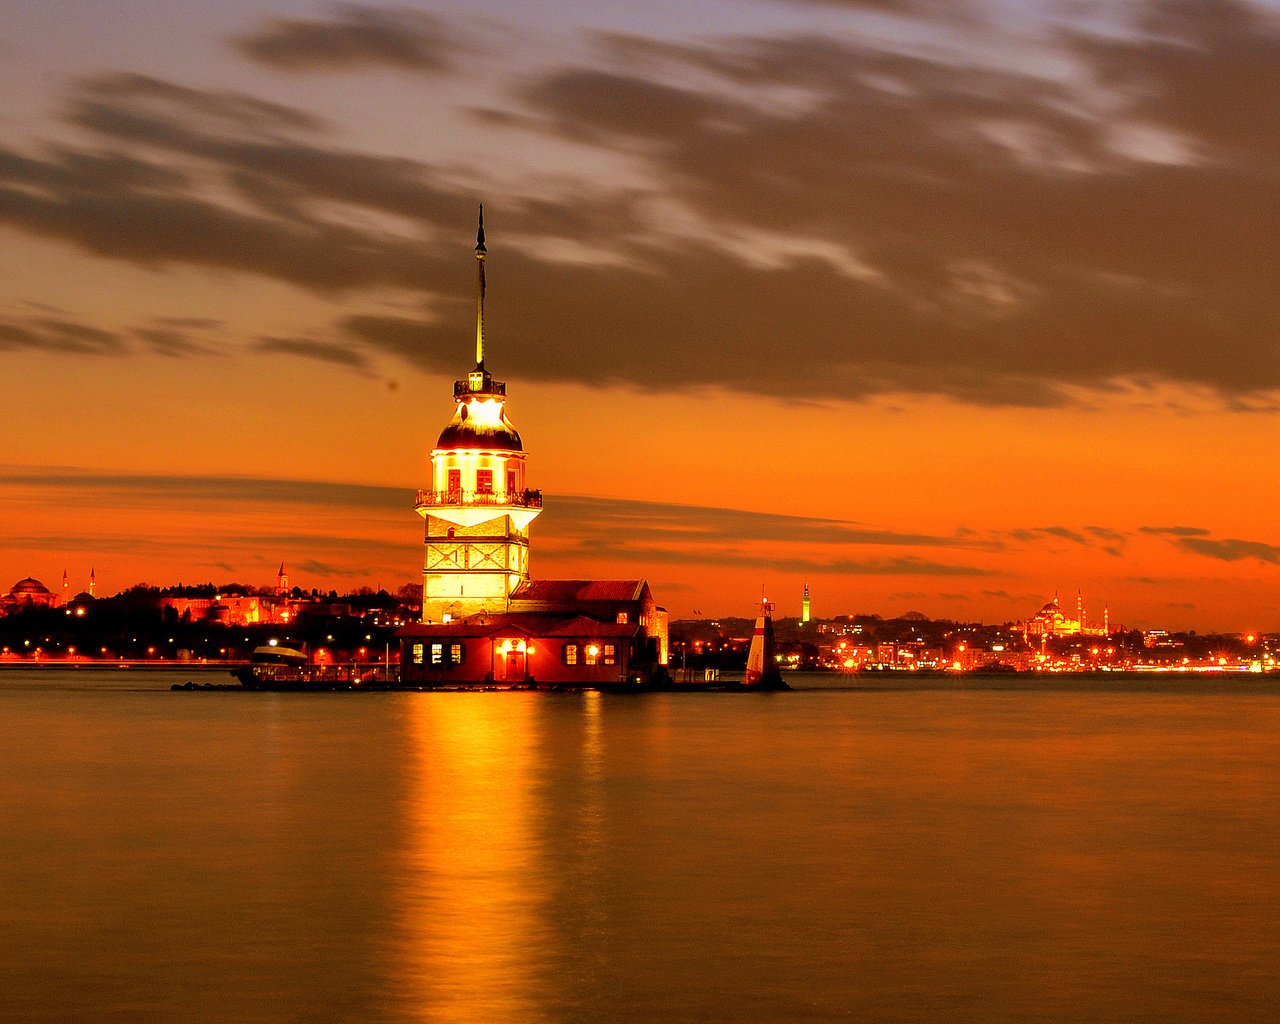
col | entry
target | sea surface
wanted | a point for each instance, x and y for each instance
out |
(992, 850)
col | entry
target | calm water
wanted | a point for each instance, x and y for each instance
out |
(1080, 852)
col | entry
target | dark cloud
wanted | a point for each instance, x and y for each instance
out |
(1175, 531)
(192, 490)
(603, 520)
(57, 336)
(171, 341)
(597, 528)
(354, 38)
(818, 210)
(1231, 550)
(658, 533)
(1024, 243)
(325, 351)
(1197, 540)
(311, 567)
(1086, 538)
(137, 208)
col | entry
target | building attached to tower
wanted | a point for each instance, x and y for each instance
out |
(483, 618)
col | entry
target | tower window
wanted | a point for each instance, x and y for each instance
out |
(511, 481)
(455, 482)
(484, 481)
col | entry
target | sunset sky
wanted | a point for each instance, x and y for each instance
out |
(942, 306)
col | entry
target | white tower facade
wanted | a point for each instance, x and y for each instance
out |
(478, 508)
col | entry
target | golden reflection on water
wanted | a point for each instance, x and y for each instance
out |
(470, 914)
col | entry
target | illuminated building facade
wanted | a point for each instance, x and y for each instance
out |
(29, 593)
(478, 509)
(483, 618)
(1051, 620)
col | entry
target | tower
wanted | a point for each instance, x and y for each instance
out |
(93, 581)
(804, 607)
(478, 509)
(282, 580)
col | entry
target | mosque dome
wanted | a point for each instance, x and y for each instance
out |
(29, 587)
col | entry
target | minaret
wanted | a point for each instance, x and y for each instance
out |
(478, 509)
(804, 606)
(93, 582)
(1106, 620)
(1080, 609)
(66, 581)
(282, 580)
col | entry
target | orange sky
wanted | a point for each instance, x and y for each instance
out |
(938, 309)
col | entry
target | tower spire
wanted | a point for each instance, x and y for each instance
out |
(480, 253)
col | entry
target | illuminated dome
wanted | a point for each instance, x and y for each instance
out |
(29, 588)
(480, 421)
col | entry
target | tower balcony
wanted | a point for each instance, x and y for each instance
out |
(467, 499)
(483, 384)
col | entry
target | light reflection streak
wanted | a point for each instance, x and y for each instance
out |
(470, 893)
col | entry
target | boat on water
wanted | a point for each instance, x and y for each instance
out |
(272, 664)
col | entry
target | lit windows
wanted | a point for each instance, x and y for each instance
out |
(592, 655)
(417, 654)
(622, 617)
(571, 654)
(442, 655)
(610, 654)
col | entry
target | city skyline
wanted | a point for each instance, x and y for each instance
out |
(939, 307)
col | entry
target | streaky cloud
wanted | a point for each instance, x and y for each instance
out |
(354, 38)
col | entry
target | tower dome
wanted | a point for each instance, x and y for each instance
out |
(480, 421)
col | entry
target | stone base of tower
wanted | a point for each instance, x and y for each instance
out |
(472, 569)
(438, 606)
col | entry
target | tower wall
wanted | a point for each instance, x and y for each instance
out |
(472, 569)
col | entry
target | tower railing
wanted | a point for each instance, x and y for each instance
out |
(463, 388)
(519, 499)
